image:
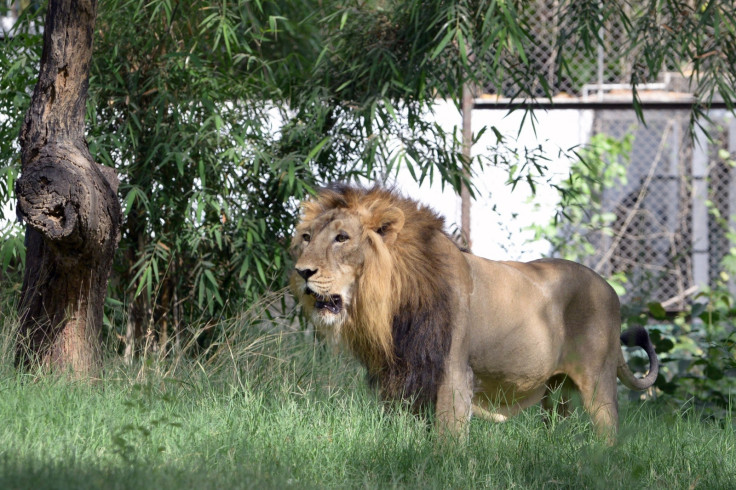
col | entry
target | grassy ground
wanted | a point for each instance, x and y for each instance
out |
(272, 411)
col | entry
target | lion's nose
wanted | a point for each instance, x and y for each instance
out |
(306, 273)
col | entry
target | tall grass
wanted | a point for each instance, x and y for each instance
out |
(268, 408)
(8, 327)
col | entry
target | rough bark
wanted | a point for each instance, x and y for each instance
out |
(69, 204)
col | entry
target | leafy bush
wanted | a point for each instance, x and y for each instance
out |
(697, 347)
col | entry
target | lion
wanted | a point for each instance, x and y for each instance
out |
(443, 328)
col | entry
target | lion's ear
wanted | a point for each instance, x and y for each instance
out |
(389, 223)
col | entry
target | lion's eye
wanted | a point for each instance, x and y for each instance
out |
(341, 237)
(306, 237)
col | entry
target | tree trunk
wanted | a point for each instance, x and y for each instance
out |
(69, 205)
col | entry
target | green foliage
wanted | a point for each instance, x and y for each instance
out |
(697, 348)
(578, 222)
(696, 38)
(12, 256)
(19, 68)
(188, 127)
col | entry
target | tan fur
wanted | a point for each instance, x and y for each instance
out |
(452, 330)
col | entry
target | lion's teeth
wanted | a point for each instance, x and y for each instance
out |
(332, 303)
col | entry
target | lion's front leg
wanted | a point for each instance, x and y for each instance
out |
(454, 402)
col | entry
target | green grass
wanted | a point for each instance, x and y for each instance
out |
(273, 411)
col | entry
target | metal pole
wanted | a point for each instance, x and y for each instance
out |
(467, 109)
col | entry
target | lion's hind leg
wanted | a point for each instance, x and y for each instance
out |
(600, 399)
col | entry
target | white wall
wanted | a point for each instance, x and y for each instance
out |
(499, 216)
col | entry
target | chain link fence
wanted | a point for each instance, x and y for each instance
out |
(586, 68)
(672, 224)
(652, 241)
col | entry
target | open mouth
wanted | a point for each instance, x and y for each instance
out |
(332, 303)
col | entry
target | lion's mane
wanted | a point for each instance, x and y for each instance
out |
(399, 324)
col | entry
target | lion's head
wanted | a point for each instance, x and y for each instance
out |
(367, 274)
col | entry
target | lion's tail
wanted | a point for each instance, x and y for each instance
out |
(638, 336)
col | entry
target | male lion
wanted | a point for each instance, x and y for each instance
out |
(442, 327)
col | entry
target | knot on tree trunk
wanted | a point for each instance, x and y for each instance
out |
(48, 202)
(70, 201)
